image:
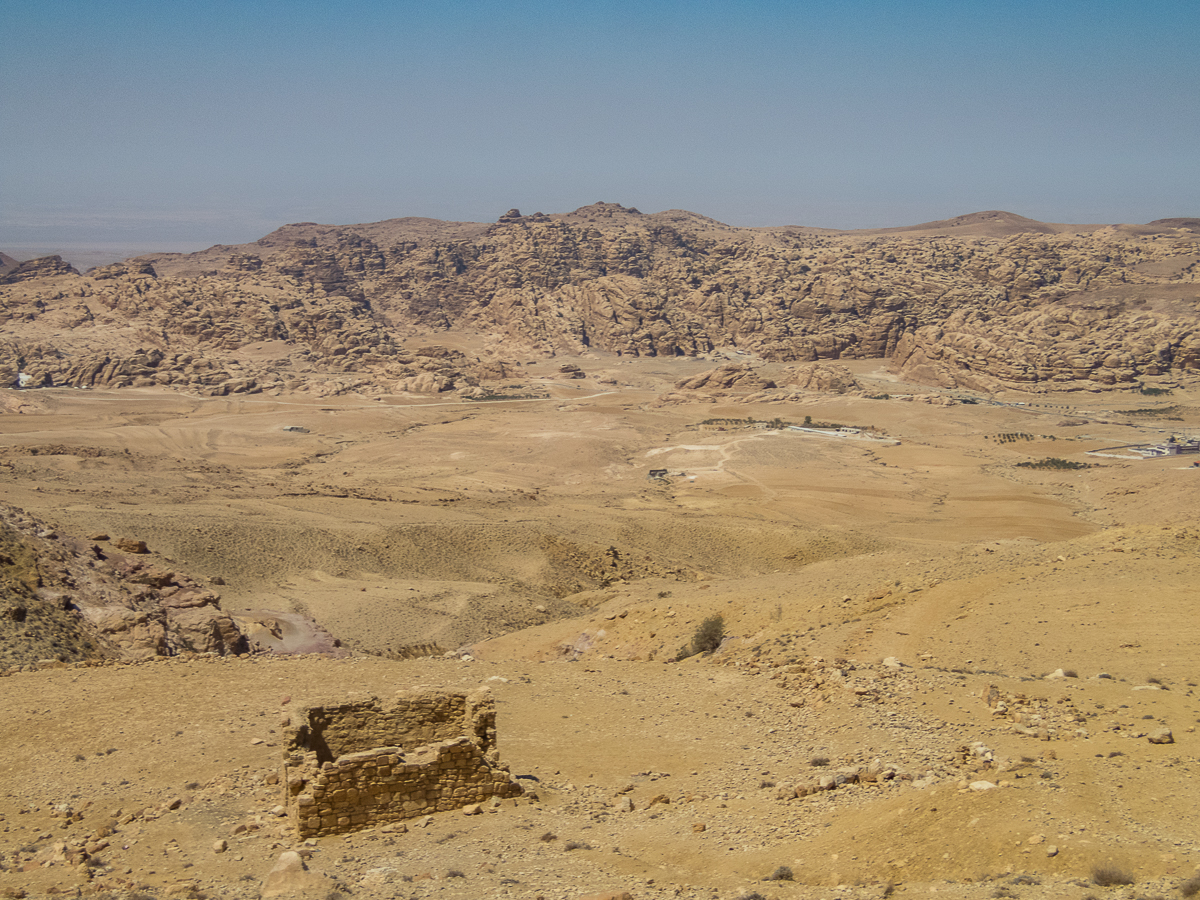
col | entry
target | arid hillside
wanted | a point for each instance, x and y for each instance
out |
(986, 301)
(800, 565)
(957, 653)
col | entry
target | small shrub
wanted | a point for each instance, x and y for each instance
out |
(783, 873)
(1191, 887)
(455, 873)
(819, 761)
(709, 635)
(577, 845)
(548, 837)
(1110, 876)
(1070, 673)
(1025, 879)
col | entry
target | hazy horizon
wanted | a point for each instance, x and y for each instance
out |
(155, 126)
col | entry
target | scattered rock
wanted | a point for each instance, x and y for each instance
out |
(290, 875)
(1161, 736)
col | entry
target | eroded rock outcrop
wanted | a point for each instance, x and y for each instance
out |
(66, 599)
(731, 376)
(988, 300)
(823, 377)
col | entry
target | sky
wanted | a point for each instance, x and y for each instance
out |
(156, 124)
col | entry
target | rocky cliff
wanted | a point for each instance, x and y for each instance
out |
(64, 599)
(986, 301)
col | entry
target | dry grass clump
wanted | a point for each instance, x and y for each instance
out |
(1110, 876)
(1191, 887)
(706, 638)
(783, 873)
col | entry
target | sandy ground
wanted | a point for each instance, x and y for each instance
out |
(529, 534)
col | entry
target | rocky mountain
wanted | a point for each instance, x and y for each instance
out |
(985, 301)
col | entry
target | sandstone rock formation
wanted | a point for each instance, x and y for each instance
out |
(43, 267)
(824, 377)
(63, 599)
(985, 301)
(730, 376)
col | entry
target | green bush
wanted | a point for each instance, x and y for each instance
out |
(709, 635)
(1053, 462)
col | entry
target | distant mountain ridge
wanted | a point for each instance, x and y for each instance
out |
(987, 300)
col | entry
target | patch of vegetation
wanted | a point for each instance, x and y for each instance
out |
(1013, 437)
(783, 873)
(1191, 887)
(1154, 392)
(1157, 412)
(747, 423)
(879, 396)
(494, 396)
(819, 761)
(707, 637)
(1053, 462)
(709, 634)
(1110, 876)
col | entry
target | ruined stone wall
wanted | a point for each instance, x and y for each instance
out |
(363, 763)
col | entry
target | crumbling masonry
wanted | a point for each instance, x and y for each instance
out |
(363, 763)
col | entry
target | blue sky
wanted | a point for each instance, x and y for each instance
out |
(163, 122)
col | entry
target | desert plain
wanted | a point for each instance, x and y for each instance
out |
(974, 653)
